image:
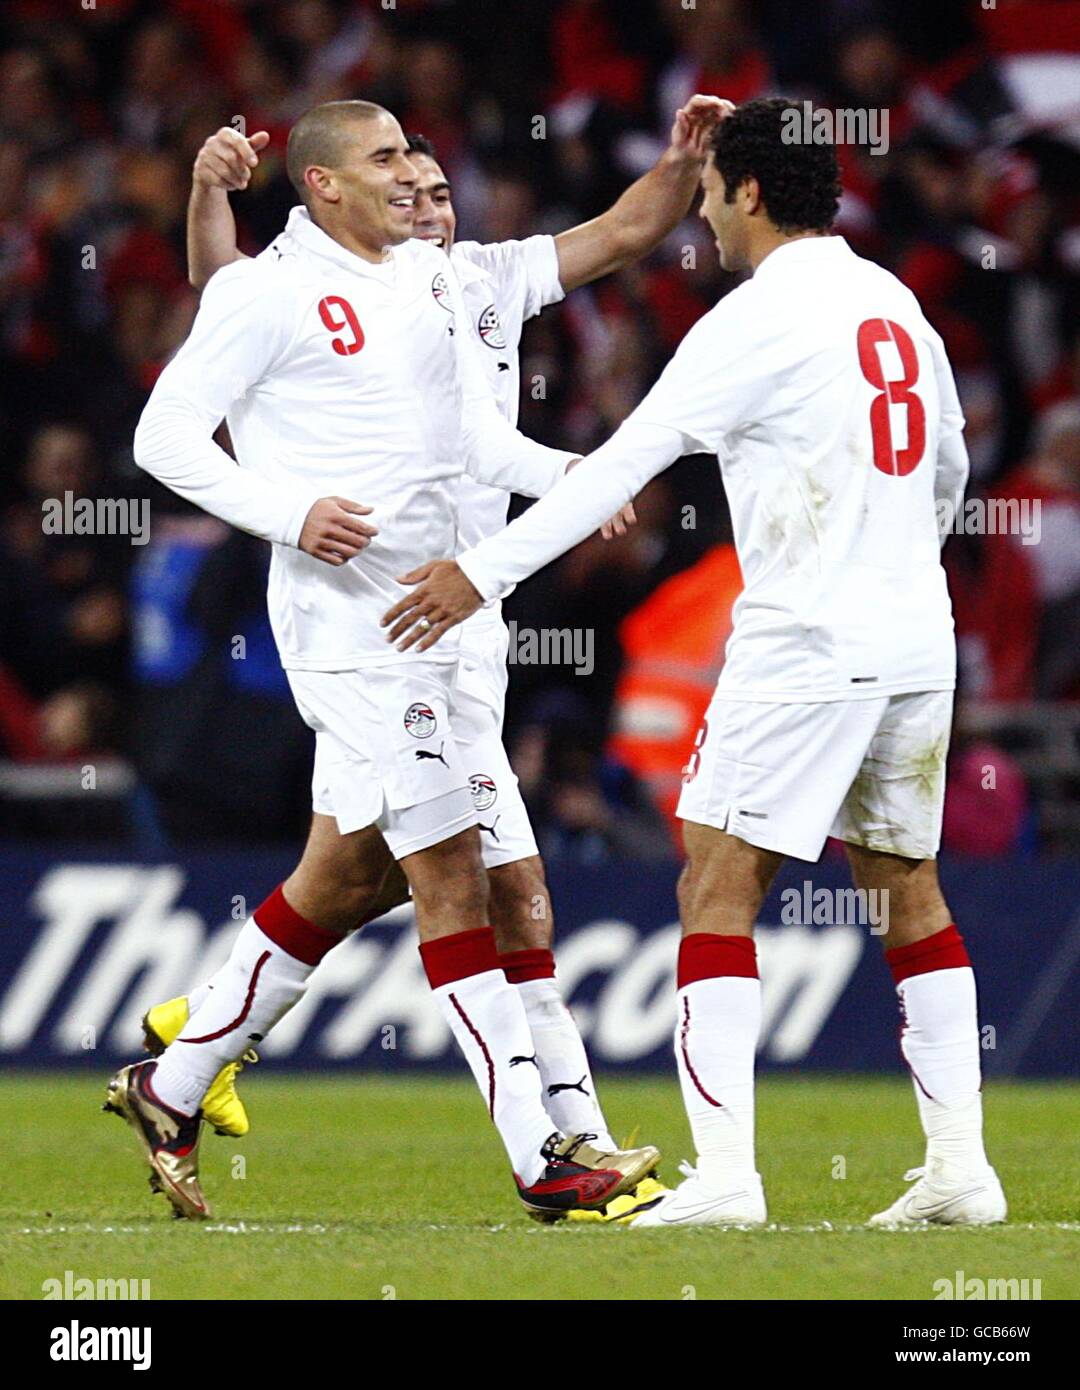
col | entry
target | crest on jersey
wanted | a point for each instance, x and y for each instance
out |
(441, 290)
(490, 329)
(484, 791)
(420, 721)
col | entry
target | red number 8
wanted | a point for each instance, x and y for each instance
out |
(897, 463)
(690, 771)
(350, 321)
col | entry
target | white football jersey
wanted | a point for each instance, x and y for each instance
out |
(830, 404)
(337, 378)
(502, 284)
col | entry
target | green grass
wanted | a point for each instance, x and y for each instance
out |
(367, 1188)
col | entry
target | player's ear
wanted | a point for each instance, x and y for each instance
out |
(750, 194)
(321, 184)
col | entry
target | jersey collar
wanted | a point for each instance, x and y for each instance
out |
(312, 238)
(810, 248)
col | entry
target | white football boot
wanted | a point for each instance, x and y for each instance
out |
(946, 1198)
(692, 1203)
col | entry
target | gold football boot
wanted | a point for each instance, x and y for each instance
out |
(169, 1140)
(580, 1176)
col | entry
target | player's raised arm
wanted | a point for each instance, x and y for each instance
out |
(242, 326)
(650, 208)
(225, 162)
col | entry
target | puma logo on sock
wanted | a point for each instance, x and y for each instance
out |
(568, 1086)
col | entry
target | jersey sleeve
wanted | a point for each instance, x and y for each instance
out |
(526, 273)
(713, 384)
(493, 451)
(244, 324)
(952, 466)
(588, 496)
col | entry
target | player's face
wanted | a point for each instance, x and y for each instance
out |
(434, 220)
(377, 183)
(725, 219)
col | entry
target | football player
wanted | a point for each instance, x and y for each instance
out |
(341, 361)
(502, 284)
(830, 404)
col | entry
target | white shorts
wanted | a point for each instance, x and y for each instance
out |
(785, 777)
(385, 752)
(477, 705)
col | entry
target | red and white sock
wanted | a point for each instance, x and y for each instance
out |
(487, 1017)
(569, 1091)
(716, 1035)
(265, 975)
(939, 1038)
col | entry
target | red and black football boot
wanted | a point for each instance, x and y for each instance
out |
(169, 1140)
(579, 1177)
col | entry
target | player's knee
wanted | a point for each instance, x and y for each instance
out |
(393, 892)
(449, 878)
(350, 904)
(461, 897)
(520, 906)
(686, 893)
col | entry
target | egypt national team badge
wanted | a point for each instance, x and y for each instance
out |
(484, 791)
(441, 290)
(420, 721)
(490, 329)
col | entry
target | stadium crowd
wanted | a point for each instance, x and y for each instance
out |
(541, 114)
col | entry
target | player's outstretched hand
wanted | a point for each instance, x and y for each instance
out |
(443, 597)
(227, 158)
(696, 121)
(334, 532)
(620, 523)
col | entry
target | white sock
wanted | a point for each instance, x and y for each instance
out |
(716, 1035)
(488, 1020)
(940, 1043)
(569, 1092)
(197, 997)
(487, 1017)
(256, 987)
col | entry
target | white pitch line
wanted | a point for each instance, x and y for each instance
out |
(277, 1228)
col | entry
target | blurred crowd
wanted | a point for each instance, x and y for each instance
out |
(108, 647)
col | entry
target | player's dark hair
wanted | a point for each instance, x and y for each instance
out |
(800, 183)
(420, 144)
(319, 134)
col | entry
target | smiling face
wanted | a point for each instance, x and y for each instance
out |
(729, 222)
(434, 219)
(369, 190)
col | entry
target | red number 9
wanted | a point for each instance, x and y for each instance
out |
(349, 321)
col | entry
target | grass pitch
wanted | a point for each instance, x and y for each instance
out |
(373, 1188)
